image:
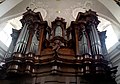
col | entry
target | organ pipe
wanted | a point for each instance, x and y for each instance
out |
(95, 41)
(30, 38)
(85, 47)
(34, 44)
(22, 40)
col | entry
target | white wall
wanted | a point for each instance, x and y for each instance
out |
(3, 49)
(114, 54)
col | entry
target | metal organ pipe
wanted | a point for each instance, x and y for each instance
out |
(70, 36)
(47, 36)
(32, 39)
(21, 39)
(98, 46)
(95, 41)
(92, 41)
(34, 44)
(47, 33)
(81, 45)
(86, 48)
(84, 44)
(25, 41)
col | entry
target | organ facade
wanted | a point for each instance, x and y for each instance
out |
(41, 54)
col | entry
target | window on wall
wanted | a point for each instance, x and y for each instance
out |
(105, 25)
(5, 34)
(111, 37)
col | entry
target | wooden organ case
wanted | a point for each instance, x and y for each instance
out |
(56, 55)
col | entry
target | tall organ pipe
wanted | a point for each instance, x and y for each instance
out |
(29, 42)
(92, 41)
(31, 39)
(22, 39)
(98, 46)
(95, 41)
(84, 44)
(25, 42)
(19, 38)
(34, 44)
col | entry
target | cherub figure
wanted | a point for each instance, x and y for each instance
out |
(56, 45)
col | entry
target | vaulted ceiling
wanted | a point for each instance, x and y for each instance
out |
(67, 9)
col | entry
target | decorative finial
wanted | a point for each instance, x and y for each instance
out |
(27, 8)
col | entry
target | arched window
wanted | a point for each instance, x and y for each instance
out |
(105, 25)
(5, 36)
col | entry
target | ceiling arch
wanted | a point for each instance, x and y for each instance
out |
(60, 8)
(112, 7)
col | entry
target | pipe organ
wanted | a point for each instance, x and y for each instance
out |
(60, 55)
